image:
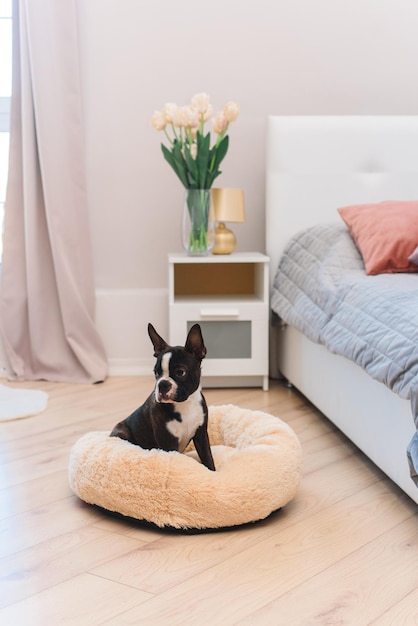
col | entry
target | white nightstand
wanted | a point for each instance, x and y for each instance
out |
(228, 295)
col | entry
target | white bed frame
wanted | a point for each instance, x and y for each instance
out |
(315, 165)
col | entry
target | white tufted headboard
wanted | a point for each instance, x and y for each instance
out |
(316, 164)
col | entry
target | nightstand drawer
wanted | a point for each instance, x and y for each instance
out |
(219, 311)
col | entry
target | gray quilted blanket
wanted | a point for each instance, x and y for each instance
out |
(321, 288)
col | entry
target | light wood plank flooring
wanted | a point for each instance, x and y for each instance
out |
(344, 551)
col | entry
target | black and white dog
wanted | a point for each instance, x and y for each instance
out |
(175, 412)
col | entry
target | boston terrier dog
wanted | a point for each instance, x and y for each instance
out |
(175, 412)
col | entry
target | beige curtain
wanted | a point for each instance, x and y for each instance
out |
(47, 288)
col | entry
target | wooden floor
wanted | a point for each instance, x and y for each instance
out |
(344, 551)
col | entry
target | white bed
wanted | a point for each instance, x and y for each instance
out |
(315, 165)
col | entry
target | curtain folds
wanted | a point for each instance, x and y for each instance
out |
(47, 286)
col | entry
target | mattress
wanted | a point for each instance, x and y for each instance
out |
(322, 289)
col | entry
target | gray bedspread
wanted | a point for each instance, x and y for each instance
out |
(321, 288)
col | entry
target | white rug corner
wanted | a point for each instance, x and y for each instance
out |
(18, 403)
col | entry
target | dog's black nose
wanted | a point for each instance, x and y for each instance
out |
(164, 386)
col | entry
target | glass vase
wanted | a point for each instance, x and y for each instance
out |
(198, 225)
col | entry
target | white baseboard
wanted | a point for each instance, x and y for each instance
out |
(122, 317)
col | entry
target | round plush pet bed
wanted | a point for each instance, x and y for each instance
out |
(258, 463)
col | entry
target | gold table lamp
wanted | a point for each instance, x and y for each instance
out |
(229, 207)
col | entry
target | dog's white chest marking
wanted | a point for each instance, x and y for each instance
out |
(192, 417)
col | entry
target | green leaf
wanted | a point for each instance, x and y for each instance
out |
(193, 171)
(221, 150)
(217, 154)
(202, 159)
(175, 159)
(167, 155)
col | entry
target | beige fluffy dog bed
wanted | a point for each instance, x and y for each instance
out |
(258, 469)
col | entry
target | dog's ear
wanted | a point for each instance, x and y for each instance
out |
(158, 342)
(194, 343)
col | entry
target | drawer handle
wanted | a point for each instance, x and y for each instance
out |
(219, 312)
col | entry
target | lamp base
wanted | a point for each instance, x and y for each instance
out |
(225, 240)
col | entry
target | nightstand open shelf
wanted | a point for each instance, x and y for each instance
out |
(228, 297)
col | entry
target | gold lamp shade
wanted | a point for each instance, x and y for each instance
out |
(229, 207)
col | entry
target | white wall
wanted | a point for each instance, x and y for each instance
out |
(282, 57)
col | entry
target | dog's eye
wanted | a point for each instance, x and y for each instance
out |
(180, 372)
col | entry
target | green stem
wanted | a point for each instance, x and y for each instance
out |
(198, 204)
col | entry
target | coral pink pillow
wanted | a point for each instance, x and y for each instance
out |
(386, 234)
